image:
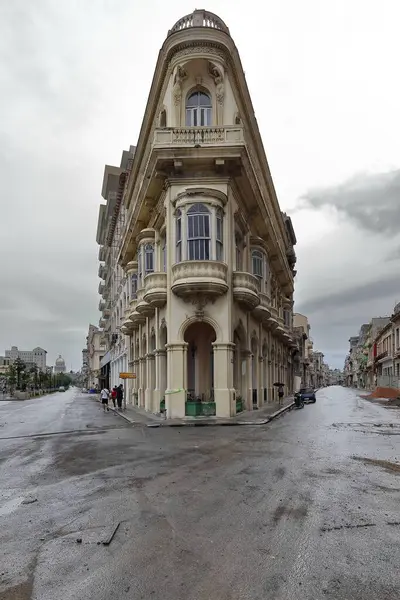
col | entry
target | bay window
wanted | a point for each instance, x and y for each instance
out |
(199, 232)
(148, 259)
(198, 238)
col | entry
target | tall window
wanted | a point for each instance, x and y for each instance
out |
(198, 232)
(219, 235)
(164, 254)
(257, 264)
(140, 265)
(148, 259)
(134, 281)
(198, 110)
(178, 236)
(238, 250)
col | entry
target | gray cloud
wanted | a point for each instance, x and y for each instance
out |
(370, 201)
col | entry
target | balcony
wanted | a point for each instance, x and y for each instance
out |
(142, 307)
(127, 326)
(101, 288)
(273, 323)
(102, 305)
(136, 318)
(155, 289)
(207, 278)
(102, 272)
(263, 310)
(280, 330)
(245, 289)
(102, 323)
(175, 137)
(102, 254)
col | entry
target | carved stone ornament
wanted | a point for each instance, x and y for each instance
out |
(180, 76)
(190, 50)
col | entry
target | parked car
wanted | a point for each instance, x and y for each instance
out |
(84, 391)
(61, 388)
(308, 395)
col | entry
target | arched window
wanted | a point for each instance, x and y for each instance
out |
(148, 259)
(198, 226)
(198, 110)
(178, 236)
(219, 235)
(257, 264)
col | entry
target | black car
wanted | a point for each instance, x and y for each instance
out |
(308, 395)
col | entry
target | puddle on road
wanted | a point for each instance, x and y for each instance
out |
(376, 428)
(391, 467)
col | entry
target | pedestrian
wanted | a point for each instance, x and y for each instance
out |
(280, 394)
(104, 394)
(120, 395)
(114, 396)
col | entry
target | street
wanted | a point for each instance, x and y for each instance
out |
(306, 507)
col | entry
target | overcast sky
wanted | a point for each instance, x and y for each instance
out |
(74, 80)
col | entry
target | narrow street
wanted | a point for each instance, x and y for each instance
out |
(306, 507)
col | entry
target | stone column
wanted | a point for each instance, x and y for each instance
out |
(150, 358)
(161, 378)
(248, 399)
(224, 393)
(175, 395)
(136, 369)
(142, 369)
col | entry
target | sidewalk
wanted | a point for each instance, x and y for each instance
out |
(262, 416)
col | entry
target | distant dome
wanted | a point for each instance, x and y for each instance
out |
(59, 365)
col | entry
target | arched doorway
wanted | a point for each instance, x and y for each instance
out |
(200, 361)
(254, 370)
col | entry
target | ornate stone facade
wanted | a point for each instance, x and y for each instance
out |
(211, 255)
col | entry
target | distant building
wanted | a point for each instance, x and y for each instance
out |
(59, 366)
(37, 356)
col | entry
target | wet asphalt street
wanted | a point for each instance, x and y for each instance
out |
(307, 507)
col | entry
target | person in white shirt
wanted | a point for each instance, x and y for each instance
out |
(104, 395)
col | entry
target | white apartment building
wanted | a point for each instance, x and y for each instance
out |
(115, 285)
(36, 356)
(96, 349)
(206, 295)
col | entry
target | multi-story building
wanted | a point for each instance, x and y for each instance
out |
(301, 329)
(319, 373)
(395, 320)
(375, 326)
(116, 286)
(85, 367)
(94, 354)
(4, 364)
(350, 365)
(37, 356)
(204, 239)
(335, 377)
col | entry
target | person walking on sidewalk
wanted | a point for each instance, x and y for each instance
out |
(120, 395)
(114, 396)
(104, 395)
(280, 394)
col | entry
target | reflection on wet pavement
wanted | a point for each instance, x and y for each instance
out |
(303, 508)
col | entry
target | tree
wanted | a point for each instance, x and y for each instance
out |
(11, 375)
(20, 368)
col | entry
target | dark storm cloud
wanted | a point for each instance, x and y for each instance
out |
(388, 288)
(372, 202)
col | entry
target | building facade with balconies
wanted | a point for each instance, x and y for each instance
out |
(301, 328)
(114, 287)
(96, 349)
(205, 245)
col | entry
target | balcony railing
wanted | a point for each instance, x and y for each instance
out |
(198, 136)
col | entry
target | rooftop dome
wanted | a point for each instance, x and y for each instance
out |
(199, 18)
(60, 361)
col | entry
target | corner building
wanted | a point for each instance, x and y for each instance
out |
(208, 253)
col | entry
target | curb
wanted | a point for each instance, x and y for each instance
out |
(274, 415)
